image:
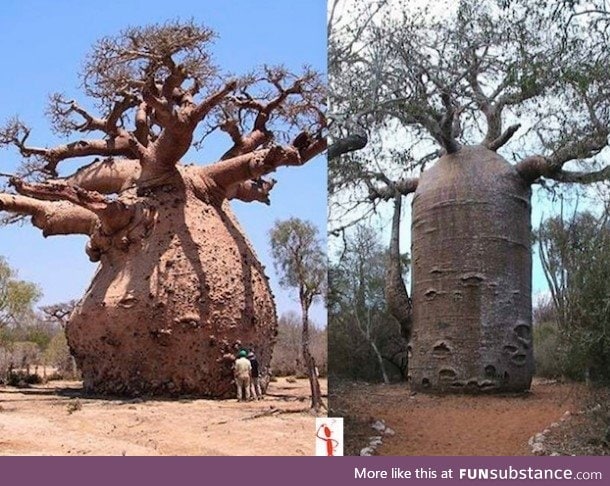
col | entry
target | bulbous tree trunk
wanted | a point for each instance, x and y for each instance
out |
(178, 289)
(472, 263)
(173, 297)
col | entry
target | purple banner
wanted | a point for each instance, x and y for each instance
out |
(310, 471)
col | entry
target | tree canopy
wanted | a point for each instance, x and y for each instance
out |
(299, 258)
(527, 78)
(17, 297)
(576, 260)
(157, 91)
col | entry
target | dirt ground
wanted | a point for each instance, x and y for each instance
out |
(57, 419)
(452, 425)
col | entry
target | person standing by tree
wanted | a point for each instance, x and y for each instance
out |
(255, 384)
(301, 263)
(242, 371)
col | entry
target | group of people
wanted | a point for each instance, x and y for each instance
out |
(247, 376)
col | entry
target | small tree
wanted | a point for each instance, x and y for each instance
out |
(301, 261)
(287, 356)
(360, 322)
(16, 296)
(575, 255)
(60, 312)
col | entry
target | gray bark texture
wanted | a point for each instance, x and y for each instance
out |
(471, 291)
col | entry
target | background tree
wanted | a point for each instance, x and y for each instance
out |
(364, 345)
(301, 261)
(576, 260)
(287, 354)
(60, 312)
(459, 86)
(178, 283)
(17, 297)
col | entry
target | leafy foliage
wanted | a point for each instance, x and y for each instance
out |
(418, 79)
(299, 258)
(576, 260)
(16, 296)
(361, 331)
(300, 261)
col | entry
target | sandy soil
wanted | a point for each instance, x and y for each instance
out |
(451, 425)
(57, 419)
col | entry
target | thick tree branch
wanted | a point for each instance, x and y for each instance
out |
(404, 186)
(112, 214)
(177, 76)
(60, 191)
(118, 146)
(53, 218)
(347, 144)
(581, 177)
(142, 131)
(233, 171)
(446, 125)
(533, 168)
(203, 108)
(253, 190)
(108, 176)
(504, 137)
(550, 167)
(583, 148)
(119, 108)
(230, 173)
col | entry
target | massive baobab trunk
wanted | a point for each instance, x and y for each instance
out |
(178, 289)
(172, 296)
(472, 263)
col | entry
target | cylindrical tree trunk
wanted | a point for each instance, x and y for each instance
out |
(167, 310)
(471, 289)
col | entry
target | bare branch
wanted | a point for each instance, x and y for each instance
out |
(251, 166)
(108, 176)
(504, 137)
(53, 218)
(535, 167)
(582, 148)
(347, 144)
(253, 190)
(119, 146)
(231, 173)
(203, 108)
(581, 177)
(112, 214)
(403, 186)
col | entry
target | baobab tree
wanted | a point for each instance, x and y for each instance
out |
(178, 284)
(459, 87)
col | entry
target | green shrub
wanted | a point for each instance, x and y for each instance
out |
(21, 379)
(546, 350)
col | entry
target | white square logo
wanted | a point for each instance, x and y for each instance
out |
(329, 436)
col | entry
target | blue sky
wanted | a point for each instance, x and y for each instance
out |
(43, 45)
